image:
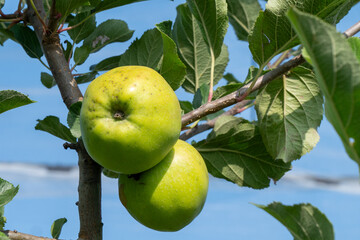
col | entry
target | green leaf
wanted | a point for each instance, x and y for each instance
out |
(272, 32)
(230, 78)
(7, 192)
(68, 50)
(47, 80)
(2, 218)
(194, 53)
(289, 111)
(10, 99)
(52, 125)
(338, 73)
(107, 64)
(234, 151)
(65, 7)
(355, 46)
(57, 226)
(226, 89)
(242, 16)
(86, 77)
(186, 106)
(201, 96)
(28, 40)
(2, 2)
(79, 33)
(213, 21)
(73, 119)
(108, 4)
(172, 68)
(107, 32)
(304, 221)
(3, 236)
(146, 51)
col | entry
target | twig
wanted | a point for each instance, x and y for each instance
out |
(240, 94)
(236, 109)
(354, 29)
(15, 235)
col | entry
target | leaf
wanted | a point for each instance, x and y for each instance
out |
(7, 192)
(234, 151)
(107, 64)
(146, 51)
(272, 32)
(10, 99)
(28, 40)
(52, 125)
(355, 46)
(79, 33)
(213, 21)
(47, 80)
(338, 74)
(73, 119)
(86, 77)
(2, 2)
(186, 106)
(69, 49)
(230, 78)
(289, 111)
(304, 221)
(57, 226)
(107, 32)
(226, 89)
(65, 7)
(172, 69)
(242, 16)
(201, 96)
(108, 4)
(194, 53)
(3, 236)
(2, 218)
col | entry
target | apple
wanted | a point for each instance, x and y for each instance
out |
(170, 195)
(130, 119)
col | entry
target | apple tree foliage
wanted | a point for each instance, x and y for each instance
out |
(189, 52)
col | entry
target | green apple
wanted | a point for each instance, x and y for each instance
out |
(130, 119)
(170, 195)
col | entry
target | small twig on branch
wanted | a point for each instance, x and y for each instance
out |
(354, 29)
(15, 235)
(240, 94)
(237, 108)
(73, 146)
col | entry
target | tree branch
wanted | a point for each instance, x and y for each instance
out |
(15, 235)
(353, 30)
(240, 94)
(89, 172)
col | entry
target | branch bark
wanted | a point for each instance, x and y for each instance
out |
(89, 189)
(15, 235)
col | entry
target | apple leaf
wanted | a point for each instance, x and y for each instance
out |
(355, 46)
(194, 52)
(73, 119)
(68, 51)
(146, 51)
(57, 226)
(3, 236)
(304, 221)
(186, 106)
(235, 151)
(107, 32)
(28, 40)
(201, 96)
(213, 21)
(289, 111)
(47, 80)
(79, 33)
(86, 77)
(10, 99)
(107, 64)
(2, 218)
(65, 7)
(7, 192)
(2, 2)
(52, 125)
(242, 16)
(230, 78)
(272, 32)
(338, 73)
(172, 69)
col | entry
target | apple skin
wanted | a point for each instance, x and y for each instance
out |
(130, 119)
(170, 195)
